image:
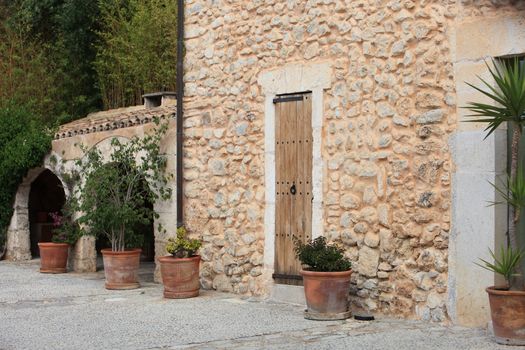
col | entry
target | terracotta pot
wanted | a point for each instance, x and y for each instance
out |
(180, 276)
(507, 309)
(121, 268)
(53, 257)
(326, 294)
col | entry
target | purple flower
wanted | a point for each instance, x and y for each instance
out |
(57, 219)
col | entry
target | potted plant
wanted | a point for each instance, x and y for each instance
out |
(507, 302)
(113, 200)
(54, 254)
(326, 278)
(180, 271)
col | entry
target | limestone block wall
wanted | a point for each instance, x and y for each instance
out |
(386, 120)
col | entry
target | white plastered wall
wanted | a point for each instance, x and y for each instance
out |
(293, 78)
(476, 227)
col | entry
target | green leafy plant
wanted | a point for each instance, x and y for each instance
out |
(23, 61)
(114, 195)
(508, 106)
(320, 256)
(85, 55)
(182, 247)
(505, 264)
(136, 50)
(24, 142)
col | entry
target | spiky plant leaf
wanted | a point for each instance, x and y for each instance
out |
(505, 264)
(512, 191)
(508, 94)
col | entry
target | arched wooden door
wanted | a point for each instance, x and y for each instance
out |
(293, 176)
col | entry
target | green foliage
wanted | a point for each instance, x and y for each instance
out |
(23, 144)
(75, 52)
(508, 96)
(85, 55)
(137, 49)
(322, 257)
(182, 247)
(114, 195)
(505, 265)
(65, 31)
(26, 73)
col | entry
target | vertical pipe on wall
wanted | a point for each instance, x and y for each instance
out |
(180, 96)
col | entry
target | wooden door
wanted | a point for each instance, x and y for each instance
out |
(293, 176)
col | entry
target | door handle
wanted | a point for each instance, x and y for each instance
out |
(293, 190)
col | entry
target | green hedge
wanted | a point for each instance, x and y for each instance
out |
(24, 142)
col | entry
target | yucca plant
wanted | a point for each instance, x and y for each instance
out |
(508, 97)
(505, 264)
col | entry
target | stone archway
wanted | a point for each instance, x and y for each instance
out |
(19, 233)
(46, 196)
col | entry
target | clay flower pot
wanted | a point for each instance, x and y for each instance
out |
(53, 257)
(121, 268)
(326, 294)
(507, 309)
(180, 276)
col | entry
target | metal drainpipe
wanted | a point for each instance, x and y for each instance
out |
(180, 96)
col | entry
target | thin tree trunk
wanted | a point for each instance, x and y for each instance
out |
(513, 213)
(122, 238)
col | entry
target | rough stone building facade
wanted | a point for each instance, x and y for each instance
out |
(397, 179)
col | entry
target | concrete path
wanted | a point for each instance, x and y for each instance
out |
(74, 311)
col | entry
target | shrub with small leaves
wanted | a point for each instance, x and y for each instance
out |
(113, 198)
(182, 247)
(321, 257)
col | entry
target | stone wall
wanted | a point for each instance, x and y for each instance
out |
(387, 117)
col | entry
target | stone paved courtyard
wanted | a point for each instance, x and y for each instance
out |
(74, 311)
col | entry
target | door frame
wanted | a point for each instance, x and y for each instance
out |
(293, 78)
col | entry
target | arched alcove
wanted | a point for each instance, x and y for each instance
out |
(46, 196)
(39, 183)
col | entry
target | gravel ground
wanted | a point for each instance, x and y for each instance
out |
(74, 311)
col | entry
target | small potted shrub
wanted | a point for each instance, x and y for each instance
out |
(507, 306)
(180, 271)
(326, 277)
(54, 254)
(113, 200)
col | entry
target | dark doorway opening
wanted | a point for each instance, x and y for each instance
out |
(45, 197)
